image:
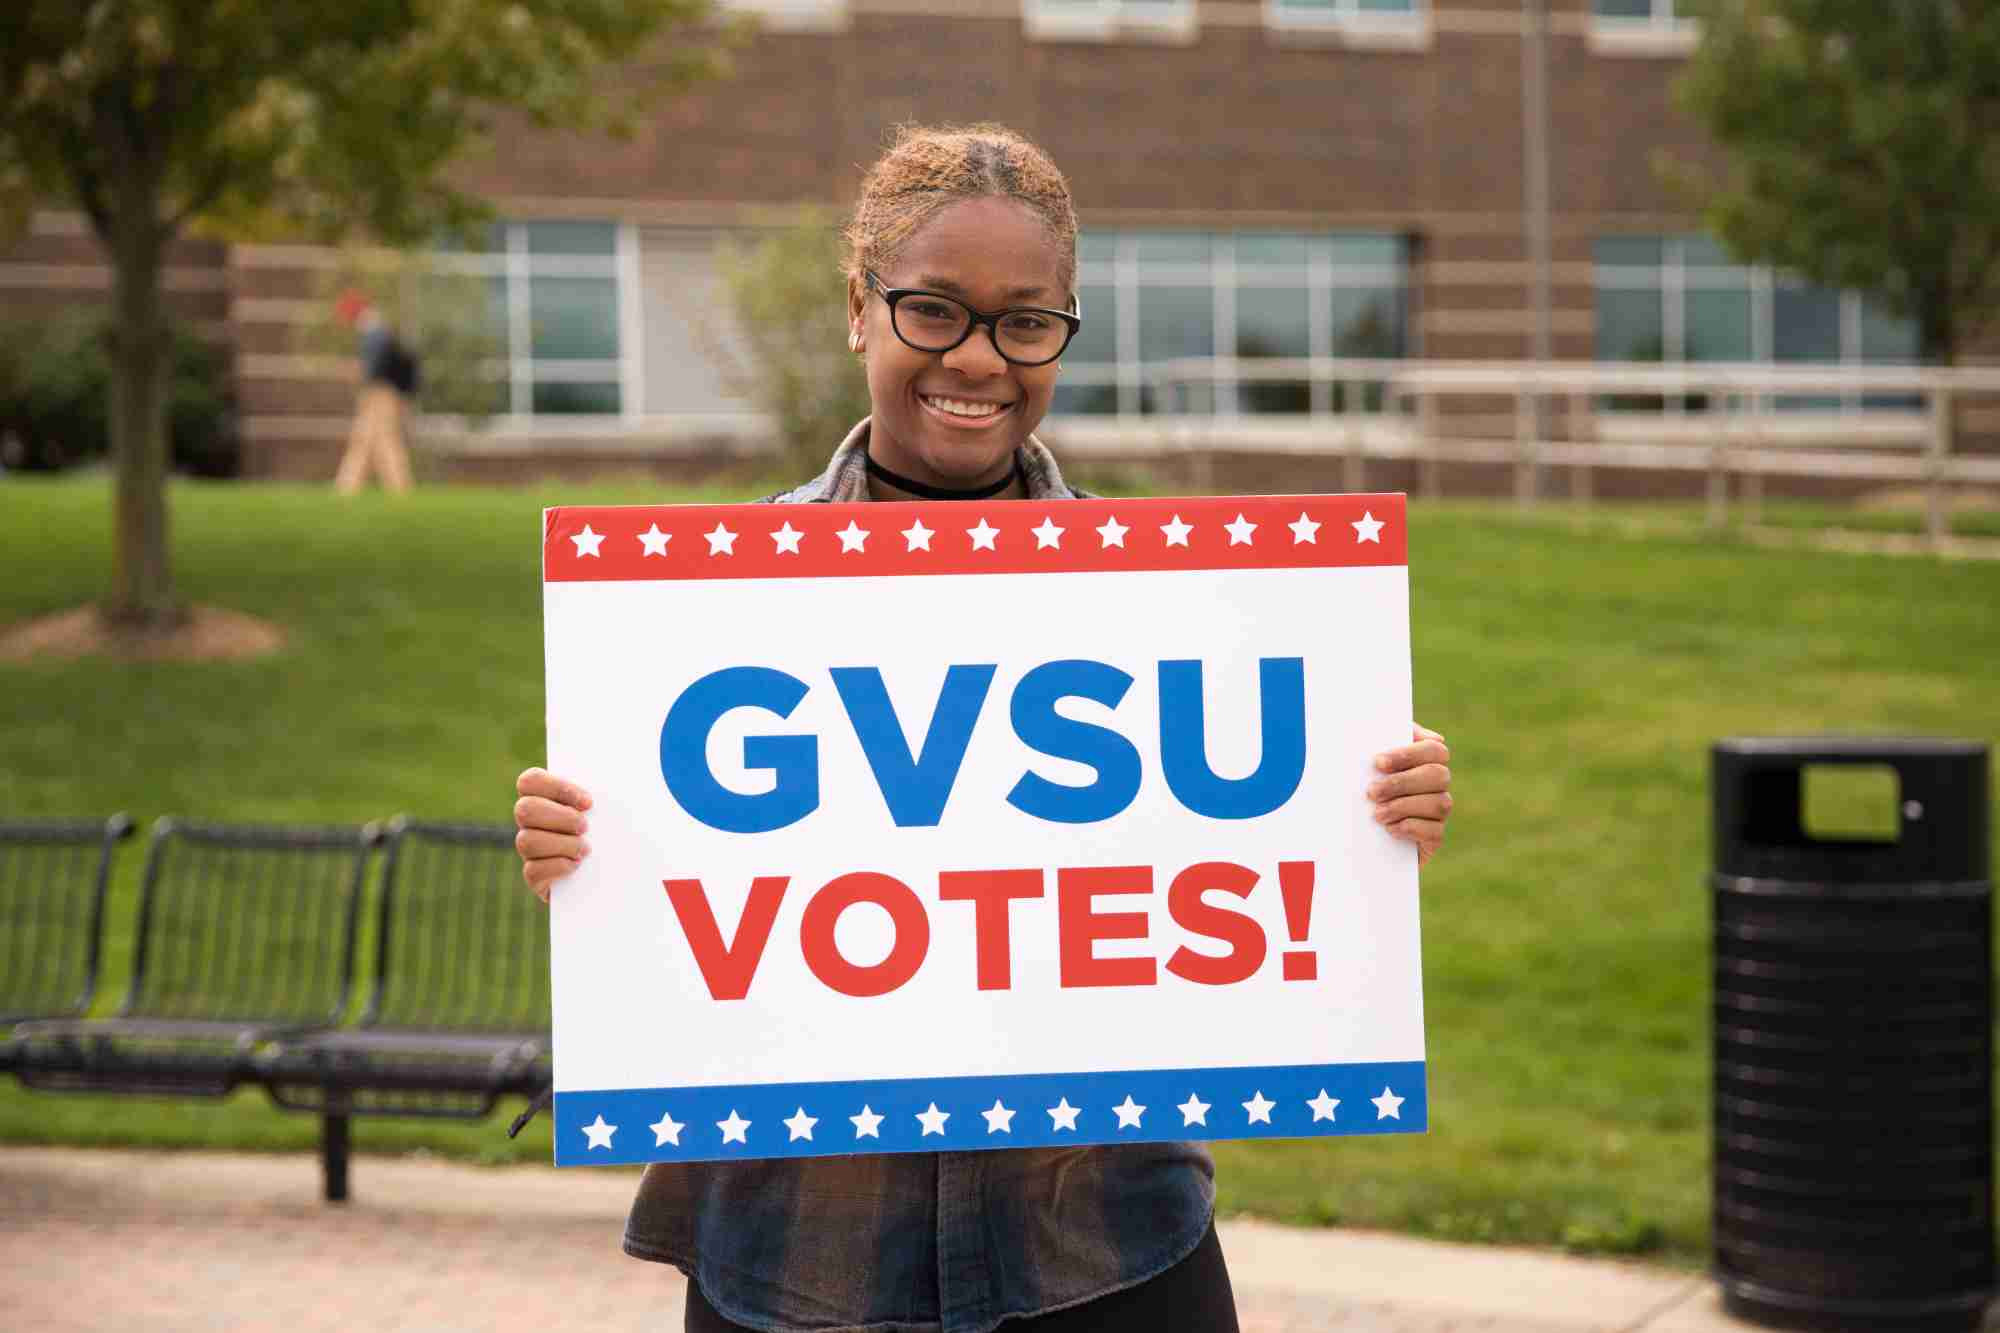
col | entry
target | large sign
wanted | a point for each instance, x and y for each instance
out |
(949, 826)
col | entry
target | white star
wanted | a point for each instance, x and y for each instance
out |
(1239, 531)
(735, 1129)
(1305, 531)
(666, 1130)
(655, 541)
(1258, 1108)
(918, 536)
(588, 541)
(867, 1125)
(853, 537)
(1113, 532)
(1194, 1111)
(787, 539)
(933, 1120)
(1048, 536)
(1062, 1116)
(1388, 1106)
(982, 536)
(599, 1133)
(999, 1120)
(1368, 528)
(721, 542)
(1176, 532)
(1128, 1113)
(1322, 1105)
(801, 1125)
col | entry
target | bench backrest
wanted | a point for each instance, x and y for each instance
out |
(248, 922)
(52, 878)
(462, 944)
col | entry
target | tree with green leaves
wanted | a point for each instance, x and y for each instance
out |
(788, 293)
(242, 117)
(1862, 144)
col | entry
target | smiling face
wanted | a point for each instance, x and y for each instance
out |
(953, 419)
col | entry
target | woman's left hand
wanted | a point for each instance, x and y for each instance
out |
(1413, 794)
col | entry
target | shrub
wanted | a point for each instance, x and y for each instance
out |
(789, 298)
(55, 396)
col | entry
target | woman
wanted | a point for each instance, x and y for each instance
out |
(961, 298)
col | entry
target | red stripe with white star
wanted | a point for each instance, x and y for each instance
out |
(591, 544)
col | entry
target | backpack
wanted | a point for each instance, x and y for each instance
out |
(399, 367)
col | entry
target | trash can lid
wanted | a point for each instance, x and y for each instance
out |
(1757, 786)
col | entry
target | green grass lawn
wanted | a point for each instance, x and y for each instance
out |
(1579, 671)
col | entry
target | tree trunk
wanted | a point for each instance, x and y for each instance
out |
(142, 591)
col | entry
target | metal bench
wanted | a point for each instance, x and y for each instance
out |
(53, 874)
(458, 1015)
(245, 933)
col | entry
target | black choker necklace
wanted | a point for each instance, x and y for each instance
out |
(923, 492)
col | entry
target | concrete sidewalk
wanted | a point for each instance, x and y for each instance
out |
(93, 1240)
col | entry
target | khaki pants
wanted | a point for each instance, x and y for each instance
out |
(375, 443)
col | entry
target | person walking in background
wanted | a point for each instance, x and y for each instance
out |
(388, 375)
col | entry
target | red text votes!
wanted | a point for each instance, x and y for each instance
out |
(729, 966)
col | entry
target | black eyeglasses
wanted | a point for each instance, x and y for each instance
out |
(934, 322)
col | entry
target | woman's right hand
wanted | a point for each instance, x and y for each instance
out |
(549, 828)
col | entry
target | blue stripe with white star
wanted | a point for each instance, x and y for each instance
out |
(1012, 1111)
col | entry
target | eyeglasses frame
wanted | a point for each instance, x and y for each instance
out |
(892, 295)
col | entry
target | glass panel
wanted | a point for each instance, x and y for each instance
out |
(1628, 252)
(572, 238)
(1624, 9)
(1368, 322)
(1271, 247)
(1173, 247)
(1718, 326)
(575, 319)
(1385, 251)
(497, 316)
(1175, 322)
(1806, 324)
(1273, 321)
(1631, 325)
(1310, 6)
(561, 398)
(1097, 246)
(1888, 339)
(1388, 6)
(1084, 400)
(1097, 340)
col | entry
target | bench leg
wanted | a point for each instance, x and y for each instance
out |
(333, 1156)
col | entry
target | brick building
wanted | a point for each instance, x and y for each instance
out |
(1255, 178)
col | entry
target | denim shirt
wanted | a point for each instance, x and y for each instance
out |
(949, 1242)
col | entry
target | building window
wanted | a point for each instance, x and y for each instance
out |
(1106, 20)
(1680, 299)
(1152, 297)
(1386, 23)
(555, 298)
(1644, 11)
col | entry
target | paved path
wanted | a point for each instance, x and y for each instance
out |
(96, 1240)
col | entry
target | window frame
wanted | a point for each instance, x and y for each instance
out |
(1673, 280)
(1661, 32)
(1223, 272)
(1345, 23)
(517, 266)
(1110, 20)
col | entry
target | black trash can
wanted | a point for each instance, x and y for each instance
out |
(1853, 1003)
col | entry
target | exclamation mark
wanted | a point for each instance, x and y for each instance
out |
(1295, 881)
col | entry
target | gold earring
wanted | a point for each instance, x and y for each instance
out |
(854, 342)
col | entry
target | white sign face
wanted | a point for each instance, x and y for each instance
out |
(948, 826)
